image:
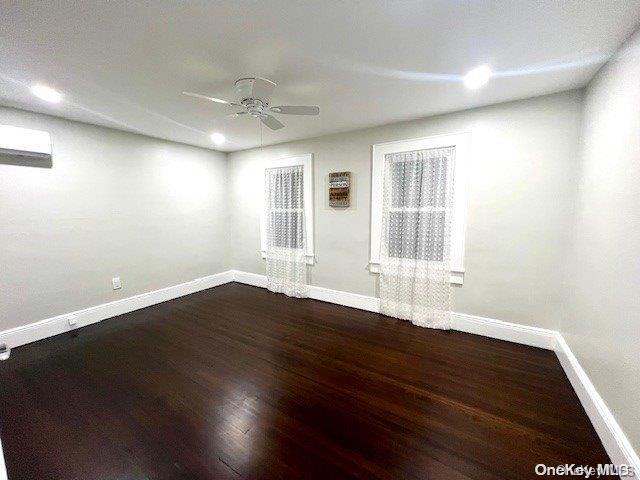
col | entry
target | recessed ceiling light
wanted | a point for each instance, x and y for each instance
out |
(477, 77)
(47, 94)
(218, 138)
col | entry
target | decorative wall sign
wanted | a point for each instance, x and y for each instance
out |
(339, 189)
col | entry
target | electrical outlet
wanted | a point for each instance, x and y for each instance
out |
(73, 320)
(117, 284)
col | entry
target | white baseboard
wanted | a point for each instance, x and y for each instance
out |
(60, 323)
(538, 337)
(247, 278)
(610, 433)
(354, 300)
(488, 327)
(511, 332)
(612, 436)
(3, 468)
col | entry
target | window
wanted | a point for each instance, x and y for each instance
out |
(285, 207)
(288, 189)
(433, 163)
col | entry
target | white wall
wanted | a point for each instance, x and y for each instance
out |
(602, 320)
(113, 203)
(520, 201)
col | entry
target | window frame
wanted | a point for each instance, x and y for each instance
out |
(462, 143)
(306, 161)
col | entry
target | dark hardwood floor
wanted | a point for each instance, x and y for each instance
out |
(237, 382)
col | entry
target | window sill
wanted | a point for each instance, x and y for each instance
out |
(310, 259)
(456, 277)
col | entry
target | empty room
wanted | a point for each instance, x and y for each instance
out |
(329, 239)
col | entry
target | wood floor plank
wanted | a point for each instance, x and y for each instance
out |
(237, 382)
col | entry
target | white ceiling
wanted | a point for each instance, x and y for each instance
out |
(123, 64)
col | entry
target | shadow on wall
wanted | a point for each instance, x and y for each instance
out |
(25, 161)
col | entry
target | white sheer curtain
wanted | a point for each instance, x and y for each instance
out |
(416, 236)
(286, 236)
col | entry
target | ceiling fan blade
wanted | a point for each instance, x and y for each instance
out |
(262, 88)
(235, 115)
(272, 122)
(211, 99)
(296, 110)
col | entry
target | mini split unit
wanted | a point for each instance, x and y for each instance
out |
(25, 142)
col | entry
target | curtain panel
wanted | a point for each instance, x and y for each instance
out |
(286, 236)
(415, 248)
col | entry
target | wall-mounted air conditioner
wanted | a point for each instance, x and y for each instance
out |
(24, 142)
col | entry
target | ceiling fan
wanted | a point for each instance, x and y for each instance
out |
(253, 96)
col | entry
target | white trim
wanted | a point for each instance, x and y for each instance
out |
(488, 327)
(462, 142)
(347, 299)
(32, 332)
(3, 467)
(456, 278)
(611, 434)
(59, 324)
(306, 161)
(254, 279)
(309, 259)
(511, 332)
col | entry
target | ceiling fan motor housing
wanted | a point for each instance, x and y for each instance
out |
(255, 107)
(244, 89)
